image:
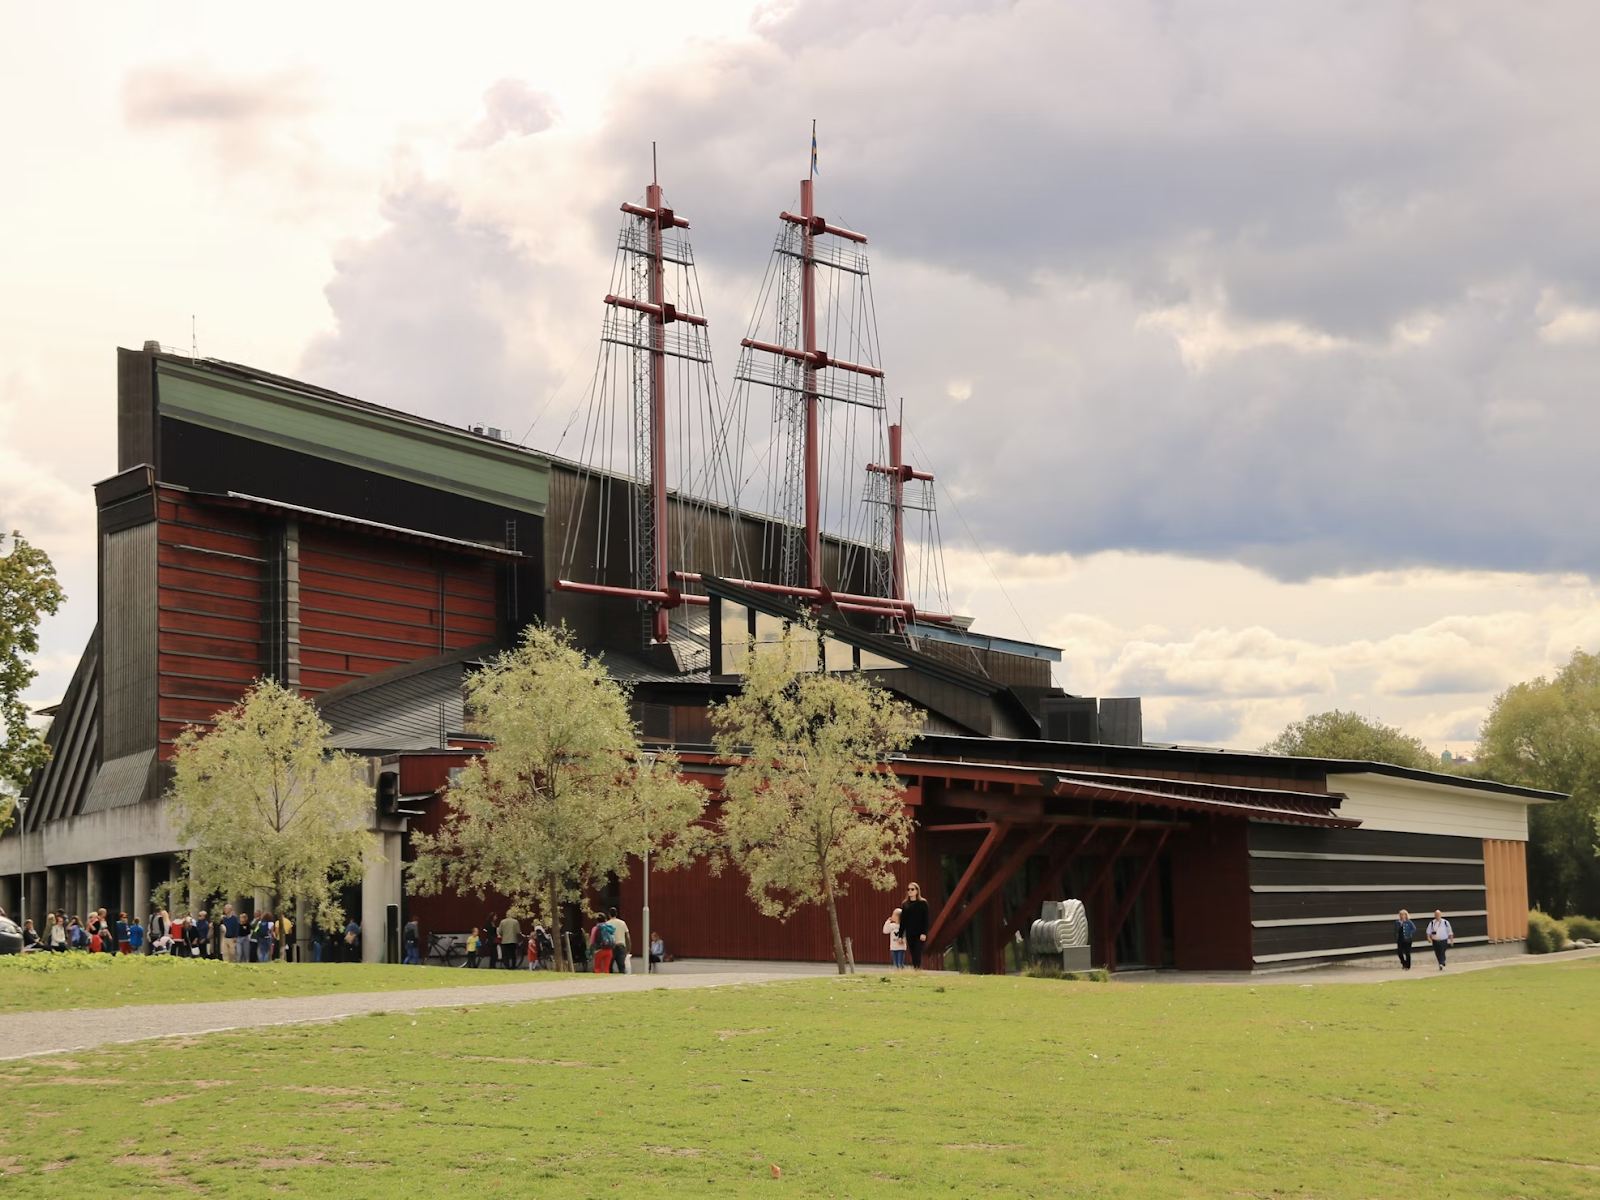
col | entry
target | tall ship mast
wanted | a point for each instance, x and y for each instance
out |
(809, 411)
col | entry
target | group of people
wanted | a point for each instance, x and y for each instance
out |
(231, 938)
(1440, 936)
(907, 928)
(501, 943)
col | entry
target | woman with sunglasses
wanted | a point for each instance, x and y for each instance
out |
(914, 924)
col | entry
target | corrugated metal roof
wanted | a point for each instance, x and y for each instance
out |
(416, 711)
(57, 789)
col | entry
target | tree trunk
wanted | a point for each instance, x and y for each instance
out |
(560, 934)
(833, 924)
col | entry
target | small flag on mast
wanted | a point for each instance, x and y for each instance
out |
(813, 149)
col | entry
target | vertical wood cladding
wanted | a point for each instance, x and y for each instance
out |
(1505, 878)
(367, 605)
(212, 609)
(1211, 897)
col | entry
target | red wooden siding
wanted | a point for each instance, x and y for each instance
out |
(368, 605)
(211, 588)
(1211, 897)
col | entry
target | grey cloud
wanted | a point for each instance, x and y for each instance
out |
(435, 315)
(197, 94)
(1378, 197)
(512, 108)
(1204, 722)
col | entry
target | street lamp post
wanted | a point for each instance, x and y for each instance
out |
(22, 861)
(650, 762)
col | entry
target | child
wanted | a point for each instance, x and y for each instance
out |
(897, 940)
(474, 940)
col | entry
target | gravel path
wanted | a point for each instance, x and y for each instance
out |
(25, 1035)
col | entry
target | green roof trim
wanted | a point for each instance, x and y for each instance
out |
(358, 435)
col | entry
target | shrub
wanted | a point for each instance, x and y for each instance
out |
(42, 963)
(1545, 934)
(1583, 927)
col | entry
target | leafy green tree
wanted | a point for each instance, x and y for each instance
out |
(809, 800)
(267, 806)
(564, 796)
(1349, 735)
(1545, 733)
(28, 591)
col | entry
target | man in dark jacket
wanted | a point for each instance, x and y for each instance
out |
(1405, 932)
(914, 923)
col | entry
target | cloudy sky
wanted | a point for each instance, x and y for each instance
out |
(1255, 344)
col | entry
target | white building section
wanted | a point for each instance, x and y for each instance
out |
(1400, 805)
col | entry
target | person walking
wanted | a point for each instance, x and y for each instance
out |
(264, 938)
(1405, 932)
(474, 940)
(1440, 936)
(135, 937)
(914, 924)
(283, 931)
(510, 941)
(600, 947)
(123, 946)
(410, 938)
(621, 959)
(897, 940)
(352, 941)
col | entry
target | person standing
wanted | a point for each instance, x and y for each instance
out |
(510, 941)
(914, 924)
(135, 937)
(230, 934)
(160, 924)
(600, 947)
(352, 941)
(1405, 932)
(621, 960)
(1440, 936)
(897, 940)
(202, 934)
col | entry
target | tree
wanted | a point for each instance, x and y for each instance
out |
(28, 591)
(1545, 733)
(267, 806)
(1349, 735)
(808, 801)
(564, 795)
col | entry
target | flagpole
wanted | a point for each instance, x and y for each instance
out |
(813, 149)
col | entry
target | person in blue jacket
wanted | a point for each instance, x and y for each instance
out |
(1405, 932)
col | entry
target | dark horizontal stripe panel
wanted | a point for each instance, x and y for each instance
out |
(1307, 840)
(1293, 938)
(1306, 871)
(1278, 906)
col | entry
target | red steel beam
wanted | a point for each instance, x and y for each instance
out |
(992, 885)
(667, 312)
(670, 598)
(815, 360)
(1131, 899)
(808, 330)
(815, 223)
(1059, 862)
(664, 216)
(997, 834)
(826, 596)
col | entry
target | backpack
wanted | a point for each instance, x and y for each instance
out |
(608, 936)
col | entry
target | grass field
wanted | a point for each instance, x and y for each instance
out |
(109, 981)
(1478, 1085)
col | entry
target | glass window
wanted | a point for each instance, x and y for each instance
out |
(877, 662)
(769, 628)
(805, 652)
(734, 656)
(735, 623)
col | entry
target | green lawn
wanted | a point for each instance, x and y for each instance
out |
(1477, 1085)
(36, 983)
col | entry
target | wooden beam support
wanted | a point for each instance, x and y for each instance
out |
(952, 928)
(1132, 898)
(1059, 862)
(997, 834)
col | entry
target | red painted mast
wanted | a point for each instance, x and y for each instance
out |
(808, 325)
(898, 475)
(658, 407)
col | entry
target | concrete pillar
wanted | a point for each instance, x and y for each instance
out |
(94, 887)
(140, 904)
(380, 887)
(54, 889)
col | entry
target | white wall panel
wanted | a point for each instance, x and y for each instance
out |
(1414, 806)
